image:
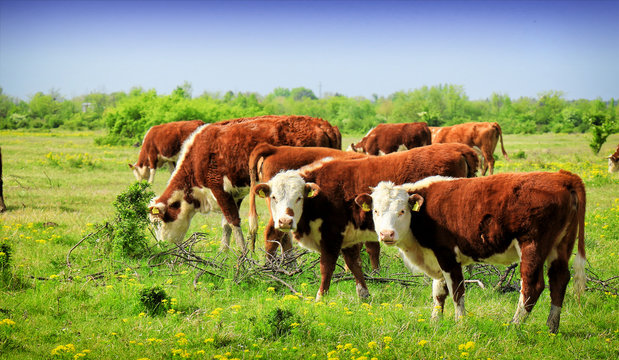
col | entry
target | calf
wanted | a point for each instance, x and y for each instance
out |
(265, 161)
(212, 170)
(388, 138)
(440, 224)
(317, 204)
(613, 161)
(482, 135)
(161, 146)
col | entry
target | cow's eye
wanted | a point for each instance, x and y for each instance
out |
(175, 205)
(401, 213)
(375, 212)
(300, 198)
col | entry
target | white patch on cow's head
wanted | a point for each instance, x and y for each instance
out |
(287, 192)
(141, 172)
(390, 212)
(172, 218)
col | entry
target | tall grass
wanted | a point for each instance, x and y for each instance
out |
(92, 309)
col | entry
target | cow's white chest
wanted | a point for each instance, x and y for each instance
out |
(311, 241)
(354, 236)
(416, 257)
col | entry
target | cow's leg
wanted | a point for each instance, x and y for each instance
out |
(532, 283)
(558, 277)
(455, 283)
(489, 163)
(151, 175)
(353, 261)
(226, 231)
(439, 294)
(373, 249)
(230, 211)
(328, 258)
(272, 238)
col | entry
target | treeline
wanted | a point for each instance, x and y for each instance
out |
(127, 116)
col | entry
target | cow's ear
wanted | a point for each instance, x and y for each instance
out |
(364, 201)
(131, 166)
(311, 190)
(415, 201)
(263, 190)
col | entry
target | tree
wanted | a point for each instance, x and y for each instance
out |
(602, 126)
(300, 93)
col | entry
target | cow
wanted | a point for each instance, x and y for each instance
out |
(265, 161)
(161, 146)
(483, 135)
(212, 171)
(316, 202)
(440, 224)
(388, 138)
(613, 161)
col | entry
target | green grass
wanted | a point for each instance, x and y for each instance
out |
(59, 186)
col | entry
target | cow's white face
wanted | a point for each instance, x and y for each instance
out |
(286, 192)
(172, 217)
(140, 172)
(391, 211)
(613, 164)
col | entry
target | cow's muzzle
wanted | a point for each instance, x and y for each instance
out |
(284, 224)
(387, 237)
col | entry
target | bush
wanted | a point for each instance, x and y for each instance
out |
(152, 299)
(277, 323)
(5, 255)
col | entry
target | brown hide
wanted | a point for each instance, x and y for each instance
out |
(265, 161)
(165, 140)
(222, 150)
(485, 136)
(340, 181)
(388, 138)
(613, 161)
(482, 216)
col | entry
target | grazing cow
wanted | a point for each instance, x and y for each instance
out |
(265, 161)
(440, 224)
(388, 138)
(317, 204)
(613, 161)
(482, 135)
(161, 146)
(212, 170)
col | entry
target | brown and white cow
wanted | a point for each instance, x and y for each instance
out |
(212, 170)
(613, 161)
(440, 224)
(161, 145)
(483, 135)
(317, 202)
(388, 138)
(265, 161)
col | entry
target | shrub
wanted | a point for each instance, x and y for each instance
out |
(152, 299)
(5, 255)
(277, 323)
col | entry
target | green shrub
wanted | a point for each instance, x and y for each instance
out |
(276, 324)
(152, 299)
(5, 255)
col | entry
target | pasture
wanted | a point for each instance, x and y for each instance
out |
(59, 188)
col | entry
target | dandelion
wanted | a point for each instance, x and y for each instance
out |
(422, 343)
(7, 322)
(372, 345)
(270, 289)
(209, 340)
(464, 354)
(294, 325)
(469, 345)
(182, 341)
(387, 339)
(348, 346)
(235, 307)
(180, 334)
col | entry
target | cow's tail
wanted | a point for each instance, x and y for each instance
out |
(498, 128)
(581, 259)
(472, 161)
(260, 151)
(337, 141)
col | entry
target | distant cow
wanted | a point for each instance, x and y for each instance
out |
(388, 138)
(265, 161)
(212, 170)
(440, 224)
(161, 146)
(613, 161)
(482, 135)
(317, 204)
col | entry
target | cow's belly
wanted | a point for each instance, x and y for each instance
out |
(311, 241)
(510, 256)
(353, 236)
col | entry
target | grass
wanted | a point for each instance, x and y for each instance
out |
(59, 186)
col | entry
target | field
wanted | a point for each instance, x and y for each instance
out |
(59, 188)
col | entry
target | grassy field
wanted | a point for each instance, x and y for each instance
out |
(59, 187)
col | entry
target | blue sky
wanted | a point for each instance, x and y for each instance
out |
(356, 48)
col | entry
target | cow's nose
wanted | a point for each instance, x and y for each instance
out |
(285, 223)
(387, 235)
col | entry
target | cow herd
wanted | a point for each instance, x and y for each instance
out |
(420, 195)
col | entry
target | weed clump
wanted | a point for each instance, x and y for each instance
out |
(277, 323)
(5, 256)
(152, 299)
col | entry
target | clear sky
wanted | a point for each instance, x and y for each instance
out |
(356, 48)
